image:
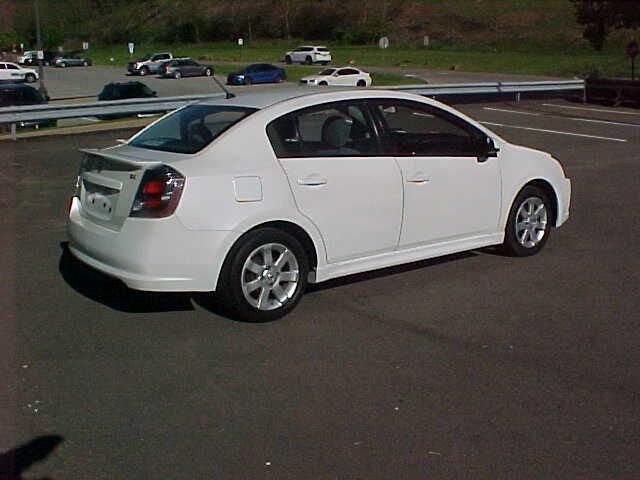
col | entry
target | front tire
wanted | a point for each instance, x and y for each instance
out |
(529, 223)
(248, 81)
(208, 72)
(144, 71)
(30, 77)
(287, 60)
(308, 60)
(264, 275)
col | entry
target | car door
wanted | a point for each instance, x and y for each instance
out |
(346, 76)
(352, 194)
(451, 191)
(14, 72)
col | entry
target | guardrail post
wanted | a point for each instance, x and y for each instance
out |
(13, 132)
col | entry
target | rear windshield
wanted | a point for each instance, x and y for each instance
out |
(190, 129)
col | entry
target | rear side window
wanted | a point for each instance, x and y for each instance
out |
(332, 130)
(190, 129)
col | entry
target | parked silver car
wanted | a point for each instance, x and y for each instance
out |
(185, 67)
(69, 61)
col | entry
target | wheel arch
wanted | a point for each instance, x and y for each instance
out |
(299, 233)
(546, 187)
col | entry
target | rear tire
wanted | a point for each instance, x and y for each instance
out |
(279, 79)
(529, 223)
(63, 65)
(323, 84)
(264, 275)
(85, 64)
(208, 72)
(361, 83)
(248, 81)
(177, 75)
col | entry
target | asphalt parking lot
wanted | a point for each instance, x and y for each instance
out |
(89, 81)
(470, 366)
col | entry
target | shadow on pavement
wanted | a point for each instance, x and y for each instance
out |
(15, 462)
(115, 294)
(386, 272)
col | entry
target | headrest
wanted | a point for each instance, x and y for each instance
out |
(336, 131)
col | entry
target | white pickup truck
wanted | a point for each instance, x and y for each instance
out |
(308, 55)
(150, 63)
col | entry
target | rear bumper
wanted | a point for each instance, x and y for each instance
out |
(159, 255)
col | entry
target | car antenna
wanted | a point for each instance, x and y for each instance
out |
(227, 93)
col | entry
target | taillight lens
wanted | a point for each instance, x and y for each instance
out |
(158, 194)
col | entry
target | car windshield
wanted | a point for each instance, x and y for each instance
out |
(190, 129)
(328, 71)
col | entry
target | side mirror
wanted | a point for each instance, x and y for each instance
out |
(486, 149)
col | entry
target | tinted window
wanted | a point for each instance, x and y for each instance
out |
(415, 129)
(348, 71)
(330, 130)
(328, 71)
(2, 66)
(11, 66)
(190, 129)
(322, 49)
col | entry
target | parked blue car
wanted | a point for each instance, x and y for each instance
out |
(257, 73)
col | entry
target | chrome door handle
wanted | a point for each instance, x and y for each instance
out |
(312, 181)
(419, 179)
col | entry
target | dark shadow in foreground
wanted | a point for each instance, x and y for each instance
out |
(113, 293)
(14, 463)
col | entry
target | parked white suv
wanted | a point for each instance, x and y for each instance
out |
(254, 196)
(308, 55)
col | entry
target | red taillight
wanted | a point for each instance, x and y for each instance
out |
(166, 68)
(158, 194)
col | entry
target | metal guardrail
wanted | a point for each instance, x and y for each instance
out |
(34, 113)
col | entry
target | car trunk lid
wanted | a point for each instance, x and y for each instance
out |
(108, 182)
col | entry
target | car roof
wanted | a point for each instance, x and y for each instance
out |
(267, 98)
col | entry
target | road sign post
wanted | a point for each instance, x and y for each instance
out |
(632, 51)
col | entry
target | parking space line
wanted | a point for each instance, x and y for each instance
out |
(588, 109)
(591, 120)
(555, 131)
(511, 111)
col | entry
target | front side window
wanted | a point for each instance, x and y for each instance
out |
(330, 130)
(410, 128)
(12, 66)
(3, 66)
(190, 129)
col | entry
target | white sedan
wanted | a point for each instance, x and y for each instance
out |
(12, 72)
(347, 76)
(255, 196)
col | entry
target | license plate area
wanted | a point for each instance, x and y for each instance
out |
(98, 200)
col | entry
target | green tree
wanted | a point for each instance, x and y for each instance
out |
(8, 38)
(600, 17)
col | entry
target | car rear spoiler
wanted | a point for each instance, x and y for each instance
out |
(138, 162)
